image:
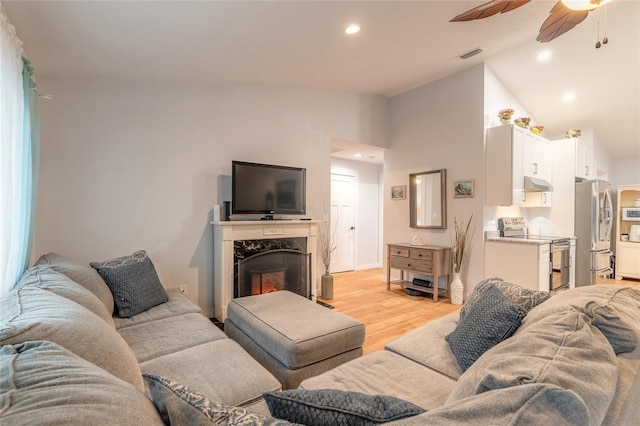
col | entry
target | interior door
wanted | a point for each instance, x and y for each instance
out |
(342, 217)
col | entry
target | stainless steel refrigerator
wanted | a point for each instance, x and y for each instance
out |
(593, 223)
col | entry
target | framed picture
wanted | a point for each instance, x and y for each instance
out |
(398, 192)
(463, 188)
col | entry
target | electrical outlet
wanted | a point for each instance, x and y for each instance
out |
(183, 289)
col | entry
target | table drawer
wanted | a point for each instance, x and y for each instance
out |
(399, 251)
(421, 254)
(411, 264)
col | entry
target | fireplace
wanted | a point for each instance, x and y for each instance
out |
(263, 266)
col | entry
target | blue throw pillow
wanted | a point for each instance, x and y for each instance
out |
(335, 407)
(488, 322)
(134, 283)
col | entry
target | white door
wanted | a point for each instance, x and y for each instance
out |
(342, 217)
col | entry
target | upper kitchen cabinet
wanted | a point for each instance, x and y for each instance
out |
(576, 153)
(518, 168)
(584, 160)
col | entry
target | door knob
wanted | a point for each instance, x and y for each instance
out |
(352, 228)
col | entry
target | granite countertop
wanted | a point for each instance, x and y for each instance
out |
(515, 240)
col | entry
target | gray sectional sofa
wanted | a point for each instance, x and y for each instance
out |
(65, 359)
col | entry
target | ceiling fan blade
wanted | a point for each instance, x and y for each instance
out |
(560, 20)
(489, 9)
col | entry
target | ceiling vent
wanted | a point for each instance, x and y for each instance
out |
(474, 52)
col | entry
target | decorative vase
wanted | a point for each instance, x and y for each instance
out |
(327, 286)
(457, 289)
(505, 122)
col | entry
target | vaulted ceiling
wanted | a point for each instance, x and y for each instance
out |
(302, 44)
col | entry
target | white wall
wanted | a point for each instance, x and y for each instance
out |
(439, 126)
(368, 239)
(625, 171)
(133, 165)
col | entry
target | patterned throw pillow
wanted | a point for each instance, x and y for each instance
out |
(134, 283)
(524, 297)
(335, 407)
(489, 321)
(179, 405)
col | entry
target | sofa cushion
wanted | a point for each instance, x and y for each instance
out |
(488, 322)
(525, 297)
(161, 337)
(335, 407)
(385, 372)
(179, 405)
(530, 404)
(178, 304)
(220, 370)
(427, 346)
(42, 383)
(48, 279)
(31, 313)
(613, 309)
(562, 350)
(133, 281)
(82, 274)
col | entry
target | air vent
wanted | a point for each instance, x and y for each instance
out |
(474, 52)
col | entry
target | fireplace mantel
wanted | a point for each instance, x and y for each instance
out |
(225, 233)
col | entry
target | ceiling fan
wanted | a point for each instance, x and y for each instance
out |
(565, 15)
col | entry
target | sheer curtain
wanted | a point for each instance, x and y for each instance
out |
(19, 145)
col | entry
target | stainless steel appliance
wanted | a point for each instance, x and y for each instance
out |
(593, 222)
(559, 248)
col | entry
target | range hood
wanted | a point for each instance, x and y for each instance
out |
(532, 184)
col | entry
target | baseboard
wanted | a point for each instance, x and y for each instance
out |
(369, 266)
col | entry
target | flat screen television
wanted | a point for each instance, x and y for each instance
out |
(267, 189)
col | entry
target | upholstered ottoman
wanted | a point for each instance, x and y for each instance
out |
(293, 337)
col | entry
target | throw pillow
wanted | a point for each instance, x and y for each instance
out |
(179, 405)
(134, 283)
(335, 407)
(488, 322)
(525, 297)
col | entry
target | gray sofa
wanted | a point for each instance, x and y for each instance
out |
(575, 359)
(64, 359)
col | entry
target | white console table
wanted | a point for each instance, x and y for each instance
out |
(225, 233)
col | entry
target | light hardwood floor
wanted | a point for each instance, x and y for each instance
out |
(389, 314)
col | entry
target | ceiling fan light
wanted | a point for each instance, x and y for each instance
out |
(584, 4)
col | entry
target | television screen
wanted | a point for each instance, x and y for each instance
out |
(269, 189)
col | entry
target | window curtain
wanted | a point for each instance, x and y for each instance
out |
(19, 148)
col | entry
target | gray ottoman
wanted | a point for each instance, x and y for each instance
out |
(293, 337)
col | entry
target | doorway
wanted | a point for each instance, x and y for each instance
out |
(342, 219)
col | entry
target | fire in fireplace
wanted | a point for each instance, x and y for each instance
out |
(267, 267)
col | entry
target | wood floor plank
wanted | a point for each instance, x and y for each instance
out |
(389, 314)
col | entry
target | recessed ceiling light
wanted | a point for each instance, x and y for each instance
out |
(357, 155)
(544, 55)
(352, 29)
(569, 96)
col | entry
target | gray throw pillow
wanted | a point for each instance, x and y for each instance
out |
(179, 405)
(134, 283)
(524, 297)
(488, 322)
(335, 407)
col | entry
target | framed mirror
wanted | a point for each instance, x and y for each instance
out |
(428, 199)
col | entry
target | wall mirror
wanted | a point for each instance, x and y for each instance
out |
(428, 199)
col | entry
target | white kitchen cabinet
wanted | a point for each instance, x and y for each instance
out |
(524, 263)
(584, 160)
(511, 153)
(536, 157)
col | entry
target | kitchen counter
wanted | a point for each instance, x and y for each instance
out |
(515, 240)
